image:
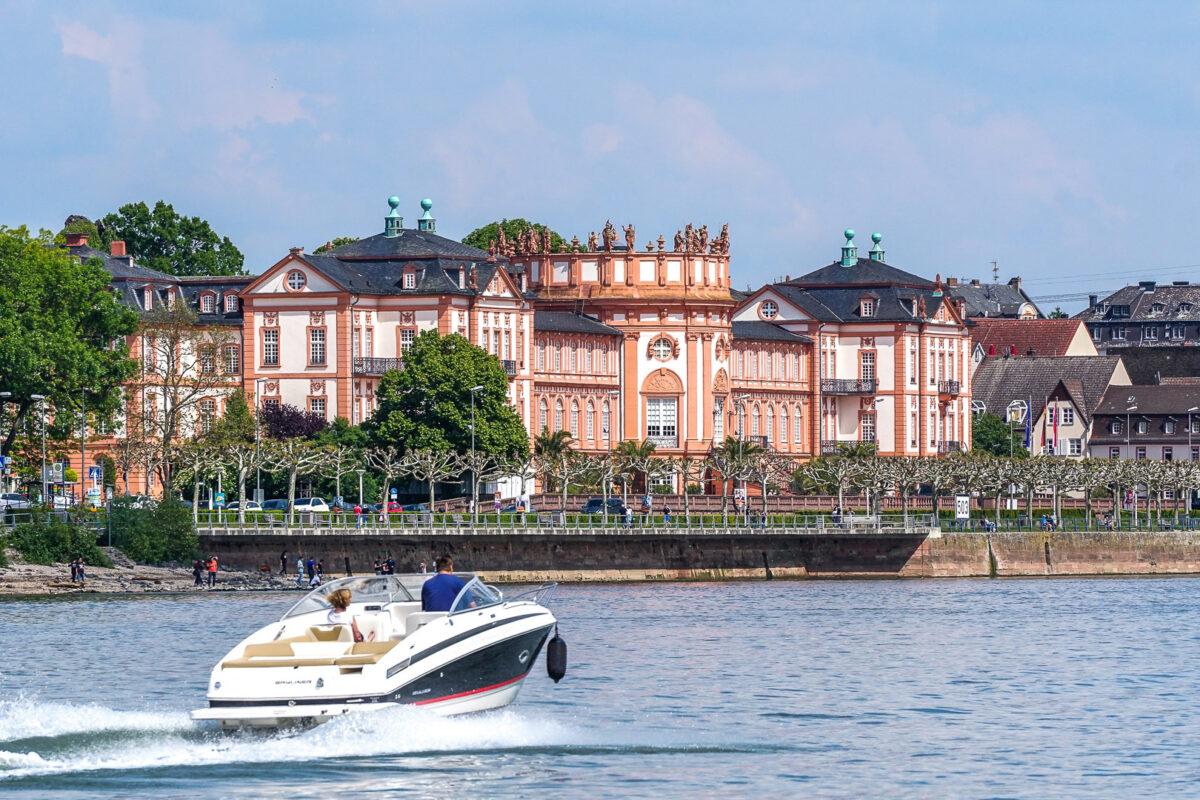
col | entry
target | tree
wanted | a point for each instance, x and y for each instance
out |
(181, 375)
(286, 421)
(1057, 313)
(296, 457)
(387, 461)
(62, 333)
(548, 449)
(162, 239)
(432, 467)
(427, 405)
(197, 460)
(639, 456)
(130, 451)
(237, 425)
(245, 457)
(481, 237)
(342, 460)
(991, 434)
(335, 244)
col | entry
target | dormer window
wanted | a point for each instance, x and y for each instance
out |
(296, 280)
(768, 309)
(1169, 427)
(867, 308)
(207, 303)
(1157, 308)
(1143, 426)
(1115, 427)
(410, 280)
(148, 298)
(231, 304)
(1185, 308)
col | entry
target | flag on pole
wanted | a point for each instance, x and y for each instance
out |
(1028, 432)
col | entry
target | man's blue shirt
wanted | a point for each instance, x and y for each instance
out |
(439, 592)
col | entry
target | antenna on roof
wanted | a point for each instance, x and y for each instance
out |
(995, 272)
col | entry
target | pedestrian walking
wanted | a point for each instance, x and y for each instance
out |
(321, 569)
(212, 571)
(358, 515)
(283, 563)
(311, 567)
(197, 573)
(666, 513)
(300, 572)
(496, 502)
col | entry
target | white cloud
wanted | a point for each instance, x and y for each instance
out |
(120, 54)
(601, 139)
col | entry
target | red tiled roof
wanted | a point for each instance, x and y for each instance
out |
(1046, 337)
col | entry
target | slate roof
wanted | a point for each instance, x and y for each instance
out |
(1150, 400)
(570, 322)
(120, 267)
(842, 304)
(190, 289)
(1147, 365)
(409, 244)
(1046, 337)
(759, 329)
(999, 381)
(991, 299)
(866, 272)
(1147, 302)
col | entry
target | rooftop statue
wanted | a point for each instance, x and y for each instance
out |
(689, 238)
(610, 236)
(702, 238)
(630, 237)
(546, 246)
(593, 242)
(492, 248)
(678, 241)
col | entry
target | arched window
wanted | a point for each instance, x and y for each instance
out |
(542, 409)
(591, 417)
(798, 421)
(606, 423)
(754, 421)
(770, 424)
(558, 420)
(574, 419)
(783, 426)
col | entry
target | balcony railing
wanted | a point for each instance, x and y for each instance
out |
(376, 366)
(948, 387)
(848, 386)
(663, 441)
(832, 447)
(510, 367)
(949, 447)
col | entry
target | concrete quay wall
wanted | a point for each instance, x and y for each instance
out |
(518, 557)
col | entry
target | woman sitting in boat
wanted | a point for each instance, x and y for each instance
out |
(338, 615)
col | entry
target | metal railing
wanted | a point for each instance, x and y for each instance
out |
(510, 367)
(663, 441)
(948, 447)
(848, 386)
(948, 387)
(376, 366)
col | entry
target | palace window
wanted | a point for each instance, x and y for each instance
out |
(541, 355)
(868, 308)
(296, 280)
(148, 298)
(660, 417)
(574, 419)
(271, 403)
(768, 309)
(783, 426)
(798, 421)
(591, 421)
(207, 303)
(662, 348)
(317, 405)
(718, 418)
(271, 347)
(868, 366)
(754, 421)
(868, 426)
(606, 422)
(233, 360)
(370, 349)
(208, 412)
(356, 343)
(231, 304)
(208, 363)
(770, 424)
(407, 337)
(316, 347)
(587, 359)
(558, 414)
(542, 414)
(410, 280)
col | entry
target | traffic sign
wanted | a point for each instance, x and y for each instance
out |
(962, 506)
(393, 492)
(95, 473)
(219, 498)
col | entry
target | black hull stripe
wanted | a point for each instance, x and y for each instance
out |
(493, 664)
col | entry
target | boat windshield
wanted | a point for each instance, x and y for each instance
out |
(379, 589)
(476, 594)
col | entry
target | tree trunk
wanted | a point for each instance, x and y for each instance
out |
(1087, 506)
(196, 501)
(242, 474)
(291, 496)
(566, 483)
(432, 508)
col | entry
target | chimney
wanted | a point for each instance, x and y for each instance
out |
(849, 251)
(1015, 283)
(991, 349)
(1147, 286)
(876, 253)
(952, 281)
(116, 248)
(427, 222)
(975, 282)
(393, 223)
(1092, 300)
(296, 251)
(1012, 349)
(1028, 352)
(76, 239)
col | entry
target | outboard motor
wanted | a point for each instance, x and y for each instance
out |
(556, 657)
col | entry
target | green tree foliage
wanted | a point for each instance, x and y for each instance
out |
(61, 333)
(163, 534)
(237, 426)
(164, 240)
(1057, 313)
(78, 224)
(427, 405)
(991, 434)
(50, 541)
(335, 244)
(512, 227)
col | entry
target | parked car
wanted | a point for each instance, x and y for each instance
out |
(596, 506)
(511, 508)
(274, 505)
(415, 507)
(392, 507)
(310, 504)
(250, 506)
(15, 501)
(339, 504)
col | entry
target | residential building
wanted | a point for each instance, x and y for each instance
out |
(992, 338)
(1149, 314)
(993, 300)
(1156, 422)
(1053, 399)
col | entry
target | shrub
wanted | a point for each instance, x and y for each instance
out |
(153, 536)
(694, 488)
(51, 542)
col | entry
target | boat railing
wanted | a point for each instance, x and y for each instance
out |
(540, 595)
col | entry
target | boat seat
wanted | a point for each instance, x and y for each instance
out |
(278, 662)
(415, 620)
(330, 633)
(365, 653)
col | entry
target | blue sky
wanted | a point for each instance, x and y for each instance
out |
(1058, 139)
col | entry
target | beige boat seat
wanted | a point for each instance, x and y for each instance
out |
(330, 633)
(363, 653)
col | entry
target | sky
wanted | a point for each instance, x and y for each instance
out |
(1055, 139)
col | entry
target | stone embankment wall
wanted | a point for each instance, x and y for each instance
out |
(625, 557)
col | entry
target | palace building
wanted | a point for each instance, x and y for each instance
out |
(607, 341)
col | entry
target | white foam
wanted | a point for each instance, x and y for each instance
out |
(23, 719)
(401, 730)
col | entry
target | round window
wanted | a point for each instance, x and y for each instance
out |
(296, 280)
(662, 348)
(768, 309)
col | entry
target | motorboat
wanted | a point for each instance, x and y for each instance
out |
(302, 670)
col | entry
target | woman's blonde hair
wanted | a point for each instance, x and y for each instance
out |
(339, 599)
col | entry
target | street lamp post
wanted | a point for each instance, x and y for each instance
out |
(360, 472)
(474, 471)
(42, 398)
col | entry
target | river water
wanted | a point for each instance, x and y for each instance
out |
(1011, 688)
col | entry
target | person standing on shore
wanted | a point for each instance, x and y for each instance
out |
(283, 563)
(74, 570)
(80, 571)
(311, 567)
(197, 573)
(299, 571)
(212, 571)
